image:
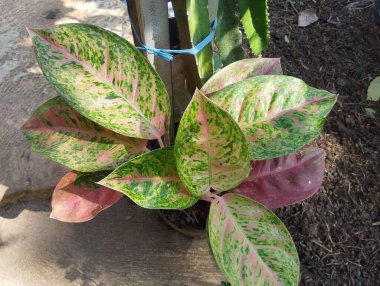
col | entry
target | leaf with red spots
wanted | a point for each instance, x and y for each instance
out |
(278, 114)
(210, 149)
(151, 181)
(59, 132)
(286, 180)
(77, 197)
(250, 244)
(104, 78)
(241, 70)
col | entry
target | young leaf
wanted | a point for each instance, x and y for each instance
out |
(279, 114)
(199, 27)
(210, 149)
(286, 180)
(250, 244)
(254, 17)
(227, 35)
(151, 181)
(59, 132)
(241, 70)
(77, 198)
(104, 78)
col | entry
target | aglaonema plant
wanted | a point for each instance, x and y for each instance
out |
(240, 145)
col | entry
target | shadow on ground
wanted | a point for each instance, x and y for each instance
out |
(125, 245)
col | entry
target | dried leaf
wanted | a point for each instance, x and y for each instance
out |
(373, 93)
(307, 17)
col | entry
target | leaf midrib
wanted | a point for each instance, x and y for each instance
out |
(272, 173)
(249, 243)
(276, 116)
(96, 74)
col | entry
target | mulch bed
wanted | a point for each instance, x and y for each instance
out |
(337, 232)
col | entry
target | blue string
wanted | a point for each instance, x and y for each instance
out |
(168, 54)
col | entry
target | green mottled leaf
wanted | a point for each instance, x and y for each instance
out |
(104, 78)
(151, 181)
(241, 70)
(77, 198)
(210, 149)
(278, 114)
(254, 17)
(199, 27)
(59, 132)
(228, 37)
(250, 244)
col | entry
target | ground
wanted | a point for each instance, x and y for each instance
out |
(337, 231)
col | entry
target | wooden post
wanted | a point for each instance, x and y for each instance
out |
(150, 19)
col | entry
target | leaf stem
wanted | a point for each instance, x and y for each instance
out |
(209, 197)
(162, 145)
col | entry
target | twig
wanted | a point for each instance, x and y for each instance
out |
(357, 264)
(188, 233)
(328, 234)
(330, 254)
(321, 245)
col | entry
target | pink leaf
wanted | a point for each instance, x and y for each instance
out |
(241, 70)
(286, 180)
(77, 198)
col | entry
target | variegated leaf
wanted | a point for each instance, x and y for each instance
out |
(286, 180)
(255, 21)
(210, 149)
(59, 132)
(241, 70)
(278, 114)
(250, 244)
(151, 181)
(104, 78)
(199, 27)
(228, 37)
(77, 198)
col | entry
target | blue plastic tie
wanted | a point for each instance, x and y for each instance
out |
(168, 54)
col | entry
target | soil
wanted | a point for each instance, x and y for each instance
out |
(336, 232)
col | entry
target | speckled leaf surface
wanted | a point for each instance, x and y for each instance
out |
(285, 180)
(250, 244)
(278, 114)
(151, 181)
(241, 70)
(199, 28)
(104, 78)
(59, 132)
(210, 149)
(228, 37)
(255, 21)
(77, 198)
